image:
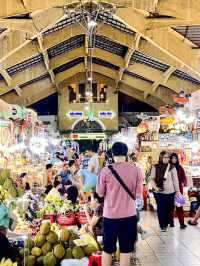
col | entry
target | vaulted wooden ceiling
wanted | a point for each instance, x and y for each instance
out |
(148, 49)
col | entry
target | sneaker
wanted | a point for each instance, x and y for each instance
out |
(164, 229)
(183, 226)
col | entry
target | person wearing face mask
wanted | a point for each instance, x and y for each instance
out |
(182, 182)
(165, 184)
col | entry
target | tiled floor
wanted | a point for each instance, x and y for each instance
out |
(174, 248)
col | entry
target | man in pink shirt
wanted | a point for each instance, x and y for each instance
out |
(120, 221)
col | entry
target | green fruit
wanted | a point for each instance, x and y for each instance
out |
(29, 261)
(89, 249)
(64, 235)
(46, 248)
(29, 243)
(68, 254)
(4, 174)
(52, 237)
(40, 260)
(73, 237)
(24, 252)
(7, 184)
(36, 251)
(20, 192)
(13, 192)
(39, 240)
(49, 260)
(59, 251)
(78, 253)
(45, 228)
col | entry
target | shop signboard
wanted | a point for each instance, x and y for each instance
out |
(171, 138)
(89, 136)
(75, 114)
(195, 100)
(107, 114)
(17, 112)
(31, 116)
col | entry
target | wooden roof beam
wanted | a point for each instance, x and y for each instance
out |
(18, 91)
(137, 94)
(166, 76)
(155, 75)
(127, 59)
(46, 58)
(166, 40)
(6, 77)
(179, 9)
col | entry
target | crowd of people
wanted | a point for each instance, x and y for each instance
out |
(112, 183)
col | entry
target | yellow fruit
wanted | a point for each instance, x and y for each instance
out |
(39, 240)
(8, 262)
(64, 235)
(59, 251)
(52, 237)
(46, 248)
(36, 251)
(45, 228)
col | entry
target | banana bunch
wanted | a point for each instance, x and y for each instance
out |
(3, 194)
(7, 262)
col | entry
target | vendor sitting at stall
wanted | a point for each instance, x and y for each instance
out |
(94, 224)
(54, 192)
(49, 177)
(71, 191)
(7, 221)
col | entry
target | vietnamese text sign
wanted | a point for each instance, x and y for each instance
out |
(75, 114)
(106, 114)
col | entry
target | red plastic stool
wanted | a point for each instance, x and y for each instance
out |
(95, 259)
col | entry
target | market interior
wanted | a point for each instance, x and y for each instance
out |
(81, 81)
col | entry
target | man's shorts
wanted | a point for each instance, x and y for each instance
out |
(124, 230)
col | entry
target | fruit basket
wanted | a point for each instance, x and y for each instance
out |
(50, 217)
(81, 217)
(68, 219)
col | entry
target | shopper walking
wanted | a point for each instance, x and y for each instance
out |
(119, 213)
(93, 164)
(182, 182)
(165, 184)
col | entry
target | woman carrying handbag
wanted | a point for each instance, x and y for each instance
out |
(165, 184)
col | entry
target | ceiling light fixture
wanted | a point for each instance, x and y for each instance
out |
(91, 24)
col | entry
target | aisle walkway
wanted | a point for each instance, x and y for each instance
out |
(173, 248)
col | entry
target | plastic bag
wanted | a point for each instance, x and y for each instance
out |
(82, 262)
(179, 201)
